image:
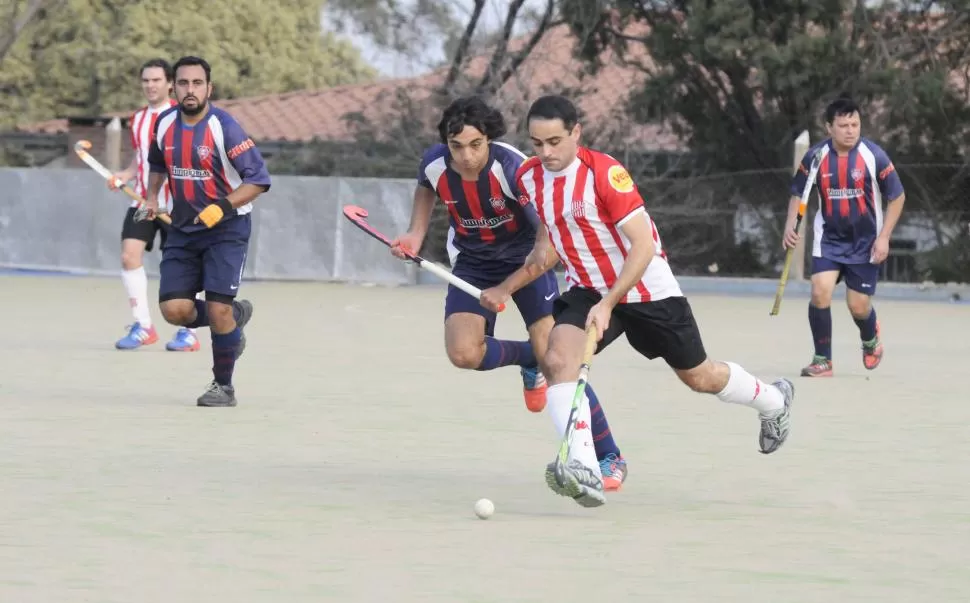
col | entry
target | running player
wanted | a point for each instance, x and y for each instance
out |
(851, 233)
(490, 235)
(139, 237)
(214, 172)
(593, 216)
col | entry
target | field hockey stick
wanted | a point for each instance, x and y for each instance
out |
(803, 204)
(358, 217)
(567, 438)
(81, 148)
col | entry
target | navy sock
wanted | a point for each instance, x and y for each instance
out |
(499, 353)
(201, 315)
(602, 438)
(224, 349)
(867, 326)
(820, 319)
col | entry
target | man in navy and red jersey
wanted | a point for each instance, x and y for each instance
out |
(852, 234)
(593, 217)
(214, 173)
(491, 235)
(137, 237)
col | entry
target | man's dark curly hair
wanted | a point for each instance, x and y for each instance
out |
(471, 111)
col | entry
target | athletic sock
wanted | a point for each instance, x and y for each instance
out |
(602, 437)
(746, 389)
(820, 320)
(224, 350)
(136, 284)
(559, 401)
(500, 353)
(867, 326)
(201, 315)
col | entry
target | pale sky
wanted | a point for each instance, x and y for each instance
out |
(393, 65)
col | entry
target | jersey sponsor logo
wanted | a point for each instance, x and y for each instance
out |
(498, 203)
(889, 170)
(240, 148)
(620, 179)
(190, 174)
(486, 222)
(845, 193)
(203, 151)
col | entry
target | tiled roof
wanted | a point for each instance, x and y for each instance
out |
(329, 113)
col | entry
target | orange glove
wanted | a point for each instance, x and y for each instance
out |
(215, 212)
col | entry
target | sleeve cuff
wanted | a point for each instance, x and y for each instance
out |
(627, 217)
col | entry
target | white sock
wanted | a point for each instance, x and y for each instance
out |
(136, 284)
(744, 388)
(559, 401)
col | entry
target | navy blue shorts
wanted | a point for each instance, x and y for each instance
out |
(534, 301)
(209, 260)
(858, 277)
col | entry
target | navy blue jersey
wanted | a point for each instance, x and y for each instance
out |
(852, 189)
(487, 222)
(204, 162)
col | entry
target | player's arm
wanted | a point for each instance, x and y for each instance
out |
(421, 209)
(642, 250)
(157, 172)
(624, 206)
(789, 236)
(245, 157)
(891, 188)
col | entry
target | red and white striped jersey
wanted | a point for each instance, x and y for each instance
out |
(142, 126)
(584, 207)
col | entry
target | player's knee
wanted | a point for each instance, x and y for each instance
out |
(178, 311)
(220, 315)
(859, 306)
(130, 259)
(821, 296)
(555, 366)
(465, 356)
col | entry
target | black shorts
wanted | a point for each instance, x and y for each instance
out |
(658, 329)
(142, 231)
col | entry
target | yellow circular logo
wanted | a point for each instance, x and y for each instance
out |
(620, 179)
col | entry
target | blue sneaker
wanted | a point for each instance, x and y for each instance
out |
(614, 472)
(534, 388)
(137, 337)
(184, 341)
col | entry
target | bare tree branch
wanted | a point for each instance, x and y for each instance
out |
(458, 60)
(513, 65)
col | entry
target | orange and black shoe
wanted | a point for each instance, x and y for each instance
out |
(819, 367)
(872, 351)
(614, 472)
(534, 388)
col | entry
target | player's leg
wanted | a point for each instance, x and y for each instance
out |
(469, 327)
(561, 364)
(535, 303)
(224, 260)
(825, 275)
(860, 284)
(667, 328)
(136, 238)
(185, 339)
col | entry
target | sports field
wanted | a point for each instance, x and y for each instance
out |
(349, 470)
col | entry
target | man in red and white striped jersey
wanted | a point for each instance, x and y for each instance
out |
(138, 237)
(592, 215)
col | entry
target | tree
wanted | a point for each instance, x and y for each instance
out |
(738, 80)
(83, 58)
(18, 15)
